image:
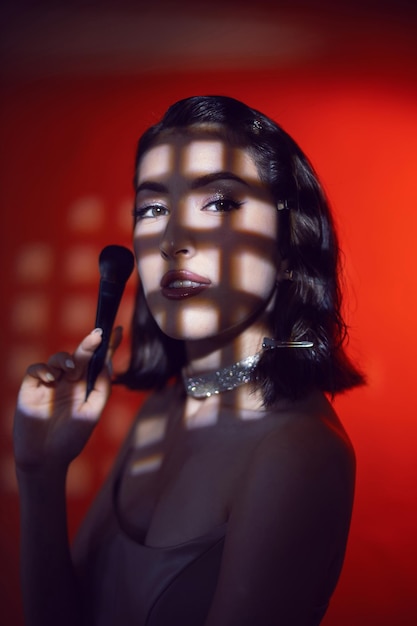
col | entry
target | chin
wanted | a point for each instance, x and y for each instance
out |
(190, 334)
(188, 323)
(196, 321)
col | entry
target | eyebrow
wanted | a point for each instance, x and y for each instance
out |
(197, 183)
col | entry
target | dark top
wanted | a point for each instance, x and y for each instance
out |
(171, 585)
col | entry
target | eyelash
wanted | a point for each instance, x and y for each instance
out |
(228, 205)
(140, 213)
(222, 204)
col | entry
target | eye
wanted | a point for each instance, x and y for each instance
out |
(222, 205)
(149, 212)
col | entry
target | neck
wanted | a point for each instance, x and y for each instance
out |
(211, 356)
(241, 403)
(214, 353)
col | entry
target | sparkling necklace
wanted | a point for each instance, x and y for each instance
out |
(224, 379)
(239, 373)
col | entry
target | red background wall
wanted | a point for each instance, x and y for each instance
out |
(68, 142)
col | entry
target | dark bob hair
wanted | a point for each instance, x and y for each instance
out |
(308, 307)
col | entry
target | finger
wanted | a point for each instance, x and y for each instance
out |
(73, 366)
(40, 373)
(89, 344)
(84, 352)
(36, 389)
(63, 364)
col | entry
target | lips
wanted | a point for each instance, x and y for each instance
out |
(178, 284)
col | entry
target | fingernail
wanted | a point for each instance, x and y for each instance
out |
(98, 331)
(49, 377)
(70, 364)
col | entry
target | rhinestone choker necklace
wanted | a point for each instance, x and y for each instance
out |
(224, 379)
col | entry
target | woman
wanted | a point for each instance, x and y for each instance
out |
(230, 501)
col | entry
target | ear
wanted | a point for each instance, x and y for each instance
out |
(283, 272)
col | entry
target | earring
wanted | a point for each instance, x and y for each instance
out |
(282, 205)
(289, 274)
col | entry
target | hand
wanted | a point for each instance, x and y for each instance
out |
(53, 420)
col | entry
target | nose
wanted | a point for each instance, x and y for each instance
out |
(177, 241)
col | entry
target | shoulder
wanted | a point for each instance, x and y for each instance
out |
(306, 436)
(306, 457)
(289, 521)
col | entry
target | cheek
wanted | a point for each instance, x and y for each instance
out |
(256, 264)
(149, 266)
(255, 274)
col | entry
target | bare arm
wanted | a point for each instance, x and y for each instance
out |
(287, 532)
(53, 422)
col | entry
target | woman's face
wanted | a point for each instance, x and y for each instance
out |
(205, 236)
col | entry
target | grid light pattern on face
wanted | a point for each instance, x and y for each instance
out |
(184, 176)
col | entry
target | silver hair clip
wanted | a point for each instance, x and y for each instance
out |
(270, 344)
(282, 205)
